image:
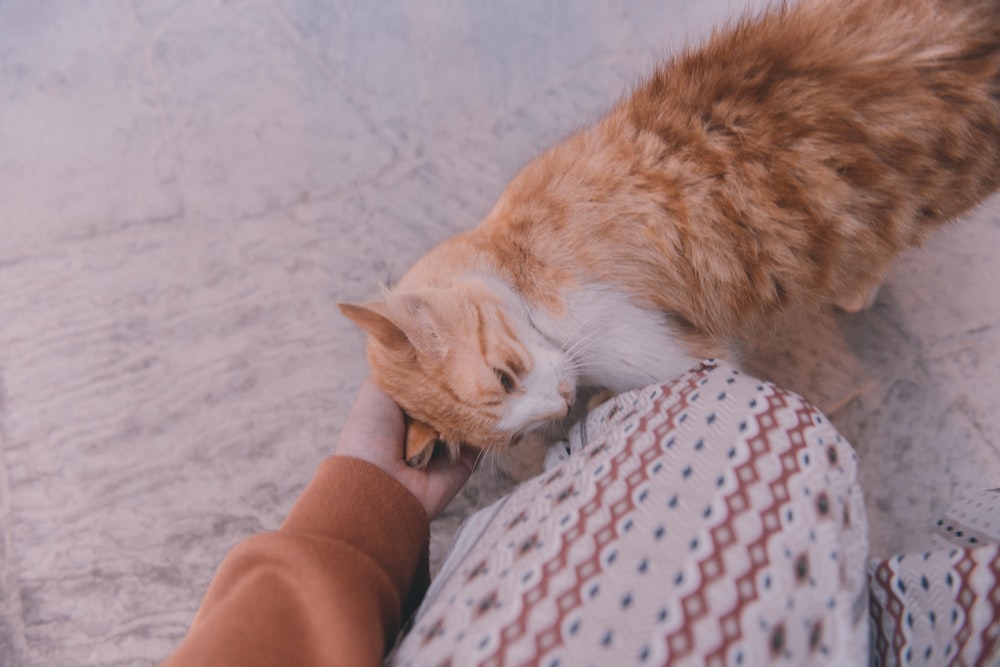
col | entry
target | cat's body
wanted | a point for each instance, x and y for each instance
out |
(781, 167)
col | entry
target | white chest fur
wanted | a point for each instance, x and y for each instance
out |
(613, 342)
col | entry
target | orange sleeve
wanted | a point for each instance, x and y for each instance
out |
(330, 587)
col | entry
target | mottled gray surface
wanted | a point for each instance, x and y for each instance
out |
(186, 190)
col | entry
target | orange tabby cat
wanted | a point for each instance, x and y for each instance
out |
(781, 166)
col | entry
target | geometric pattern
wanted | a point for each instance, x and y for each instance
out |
(940, 607)
(971, 520)
(712, 520)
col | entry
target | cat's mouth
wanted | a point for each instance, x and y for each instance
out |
(558, 410)
(529, 411)
(422, 441)
(555, 415)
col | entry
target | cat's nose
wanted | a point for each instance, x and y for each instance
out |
(568, 392)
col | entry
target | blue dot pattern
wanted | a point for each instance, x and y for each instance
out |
(693, 536)
(942, 607)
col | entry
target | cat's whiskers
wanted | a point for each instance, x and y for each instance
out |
(581, 367)
(495, 452)
(583, 346)
(585, 325)
(576, 350)
(479, 456)
(580, 364)
(483, 463)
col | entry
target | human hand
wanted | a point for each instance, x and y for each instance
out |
(374, 432)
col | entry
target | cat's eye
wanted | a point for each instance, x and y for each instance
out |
(506, 381)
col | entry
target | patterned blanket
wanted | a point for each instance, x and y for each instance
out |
(713, 520)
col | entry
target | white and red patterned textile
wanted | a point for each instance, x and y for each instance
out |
(713, 520)
(942, 607)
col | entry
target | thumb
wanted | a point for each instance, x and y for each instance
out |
(445, 479)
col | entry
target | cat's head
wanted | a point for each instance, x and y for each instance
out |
(466, 364)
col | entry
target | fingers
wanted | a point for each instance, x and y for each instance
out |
(445, 478)
(373, 421)
(374, 431)
(378, 406)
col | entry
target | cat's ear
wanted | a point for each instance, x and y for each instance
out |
(420, 442)
(409, 320)
(420, 320)
(374, 319)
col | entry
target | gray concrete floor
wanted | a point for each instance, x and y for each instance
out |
(188, 188)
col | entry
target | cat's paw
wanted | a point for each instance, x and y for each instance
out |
(420, 459)
(421, 441)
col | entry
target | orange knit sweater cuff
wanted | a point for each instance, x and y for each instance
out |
(357, 502)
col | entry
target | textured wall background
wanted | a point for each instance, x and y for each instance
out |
(186, 190)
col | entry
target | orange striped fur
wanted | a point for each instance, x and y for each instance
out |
(780, 167)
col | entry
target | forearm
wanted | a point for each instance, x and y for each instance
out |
(330, 587)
